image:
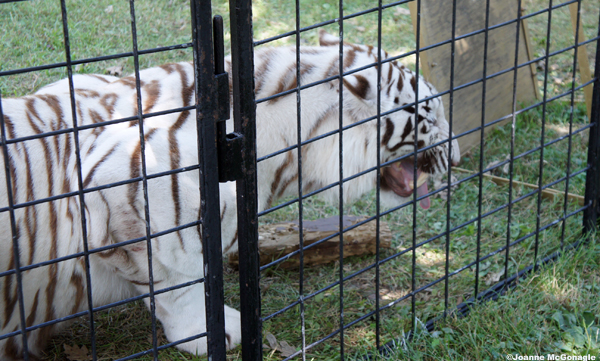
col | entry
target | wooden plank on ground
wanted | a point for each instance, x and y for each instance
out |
(280, 239)
(435, 63)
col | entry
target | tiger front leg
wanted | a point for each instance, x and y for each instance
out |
(181, 311)
(177, 259)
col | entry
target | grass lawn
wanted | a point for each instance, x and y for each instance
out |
(555, 311)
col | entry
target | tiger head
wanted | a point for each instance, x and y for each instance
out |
(404, 126)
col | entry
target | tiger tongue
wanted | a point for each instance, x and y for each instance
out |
(407, 168)
(421, 191)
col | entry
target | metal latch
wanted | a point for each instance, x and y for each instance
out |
(229, 146)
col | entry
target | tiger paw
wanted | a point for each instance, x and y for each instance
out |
(233, 328)
(233, 334)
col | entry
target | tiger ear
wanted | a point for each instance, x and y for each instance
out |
(359, 86)
(360, 98)
(326, 39)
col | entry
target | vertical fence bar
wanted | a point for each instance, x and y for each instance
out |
(592, 180)
(244, 115)
(207, 115)
(300, 193)
(144, 172)
(413, 284)
(82, 206)
(543, 137)
(571, 116)
(482, 146)
(341, 170)
(378, 180)
(512, 141)
(14, 232)
(450, 120)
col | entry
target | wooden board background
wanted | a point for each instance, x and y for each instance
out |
(435, 64)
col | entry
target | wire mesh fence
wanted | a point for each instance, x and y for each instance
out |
(350, 119)
(451, 232)
(499, 223)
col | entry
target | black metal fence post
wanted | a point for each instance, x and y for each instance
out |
(244, 115)
(207, 115)
(592, 181)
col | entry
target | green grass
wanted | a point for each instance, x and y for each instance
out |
(35, 37)
(556, 311)
(525, 321)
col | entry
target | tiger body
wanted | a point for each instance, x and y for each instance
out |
(47, 167)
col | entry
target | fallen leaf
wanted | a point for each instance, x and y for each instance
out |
(76, 353)
(540, 65)
(286, 350)
(493, 164)
(115, 70)
(272, 341)
(109, 9)
(506, 168)
(494, 277)
(421, 296)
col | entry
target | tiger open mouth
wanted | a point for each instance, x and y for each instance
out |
(400, 178)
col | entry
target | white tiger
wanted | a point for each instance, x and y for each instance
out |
(46, 167)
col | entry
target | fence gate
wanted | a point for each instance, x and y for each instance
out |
(235, 154)
(244, 114)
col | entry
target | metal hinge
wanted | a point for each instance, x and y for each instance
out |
(229, 146)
